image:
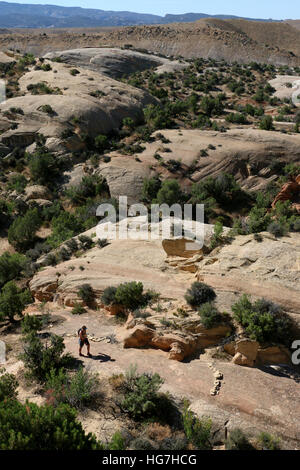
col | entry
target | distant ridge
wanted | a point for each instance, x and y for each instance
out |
(17, 15)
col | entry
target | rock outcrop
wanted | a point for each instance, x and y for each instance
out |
(85, 103)
(248, 154)
(115, 62)
(290, 192)
(180, 343)
(267, 268)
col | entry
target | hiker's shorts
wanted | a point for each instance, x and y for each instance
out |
(82, 343)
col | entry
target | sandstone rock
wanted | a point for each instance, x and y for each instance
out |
(245, 352)
(266, 269)
(114, 309)
(115, 62)
(179, 247)
(44, 288)
(37, 192)
(39, 203)
(242, 360)
(98, 103)
(248, 348)
(229, 348)
(289, 192)
(5, 59)
(273, 355)
(139, 336)
(177, 352)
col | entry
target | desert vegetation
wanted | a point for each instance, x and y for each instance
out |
(230, 304)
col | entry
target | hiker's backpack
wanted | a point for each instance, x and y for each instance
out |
(78, 332)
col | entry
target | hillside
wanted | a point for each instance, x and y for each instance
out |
(230, 40)
(17, 15)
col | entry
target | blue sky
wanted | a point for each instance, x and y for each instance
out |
(276, 9)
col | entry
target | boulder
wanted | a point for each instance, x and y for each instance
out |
(37, 192)
(245, 352)
(242, 360)
(140, 336)
(273, 355)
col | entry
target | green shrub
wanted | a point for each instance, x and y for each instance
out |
(276, 229)
(43, 166)
(157, 117)
(141, 398)
(212, 106)
(217, 235)
(266, 123)
(199, 293)
(77, 390)
(30, 427)
(11, 266)
(89, 187)
(46, 67)
(268, 442)
(238, 441)
(197, 431)
(237, 118)
(46, 108)
(142, 443)
(262, 320)
(64, 226)
(130, 295)
(33, 323)
(117, 442)
(109, 295)
(42, 89)
(17, 183)
(21, 233)
(209, 314)
(86, 293)
(222, 189)
(39, 358)
(151, 186)
(170, 193)
(8, 386)
(13, 301)
(78, 309)
(85, 241)
(101, 142)
(128, 122)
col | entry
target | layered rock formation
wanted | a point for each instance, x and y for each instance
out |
(84, 103)
(290, 192)
(116, 62)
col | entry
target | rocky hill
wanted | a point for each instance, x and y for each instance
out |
(230, 40)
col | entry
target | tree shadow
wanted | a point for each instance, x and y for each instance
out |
(284, 371)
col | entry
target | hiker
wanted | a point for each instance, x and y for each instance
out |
(83, 340)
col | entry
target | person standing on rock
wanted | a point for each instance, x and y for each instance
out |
(83, 340)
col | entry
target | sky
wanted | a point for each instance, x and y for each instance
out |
(276, 9)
